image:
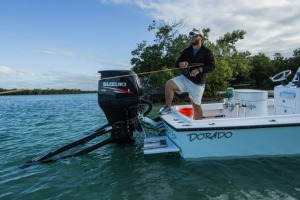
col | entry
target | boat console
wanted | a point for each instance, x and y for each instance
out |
(287, 97)
(253, 103)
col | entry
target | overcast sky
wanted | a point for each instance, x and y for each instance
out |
(64, 43)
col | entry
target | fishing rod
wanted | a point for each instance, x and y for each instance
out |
(12, 91)
(190, 66)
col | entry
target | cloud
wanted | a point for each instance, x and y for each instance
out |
(104, 61)
(11, 78)
(56, 52)
(4, 70)
(271, 25)
(8, 71)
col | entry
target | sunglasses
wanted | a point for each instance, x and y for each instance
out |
(193, 35)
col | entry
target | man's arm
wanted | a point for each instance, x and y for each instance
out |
(180, 59)
(209, 64)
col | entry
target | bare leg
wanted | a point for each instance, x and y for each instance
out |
(198, 112)
(170, 88)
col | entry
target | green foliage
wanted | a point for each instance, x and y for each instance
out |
(232, 67)
(161, 78)
(163, 53)
(238, 61)
(219, 79)
(293, 63)
(262, 69)
(160, 55)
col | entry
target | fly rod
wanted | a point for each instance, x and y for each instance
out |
(192, 65)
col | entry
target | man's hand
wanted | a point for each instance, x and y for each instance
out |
(194, 72)
(183, 64)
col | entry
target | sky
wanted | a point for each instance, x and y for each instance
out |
(60, 44)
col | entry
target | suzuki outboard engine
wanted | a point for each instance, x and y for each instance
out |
(119, 94)
(120, 97)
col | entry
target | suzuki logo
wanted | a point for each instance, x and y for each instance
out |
(115, 84)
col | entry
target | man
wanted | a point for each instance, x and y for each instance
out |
(196, 61)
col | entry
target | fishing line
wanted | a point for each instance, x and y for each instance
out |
(193, 65)
(142, 73)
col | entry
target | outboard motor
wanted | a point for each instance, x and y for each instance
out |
(120, 97)
(119, 94)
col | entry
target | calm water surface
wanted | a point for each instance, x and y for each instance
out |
(32, 125)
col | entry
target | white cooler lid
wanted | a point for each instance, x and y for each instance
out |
(250, 95)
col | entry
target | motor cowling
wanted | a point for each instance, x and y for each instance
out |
(119, 92)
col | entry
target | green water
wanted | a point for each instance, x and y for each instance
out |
(32, 125)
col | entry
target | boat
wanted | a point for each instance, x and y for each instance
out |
(246, 124)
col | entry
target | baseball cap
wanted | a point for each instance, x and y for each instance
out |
(195, 32)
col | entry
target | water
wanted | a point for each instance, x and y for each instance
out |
(32, 125)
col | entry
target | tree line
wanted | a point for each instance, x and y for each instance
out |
(233, 67)
(42, 91)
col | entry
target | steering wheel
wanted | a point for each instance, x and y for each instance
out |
(281, 76)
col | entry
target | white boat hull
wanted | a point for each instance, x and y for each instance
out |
(248, 124)
(226, 135)
(237, 142)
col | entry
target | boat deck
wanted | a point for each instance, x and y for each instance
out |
(216, 117)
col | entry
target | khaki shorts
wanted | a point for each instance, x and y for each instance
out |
(185, 85)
